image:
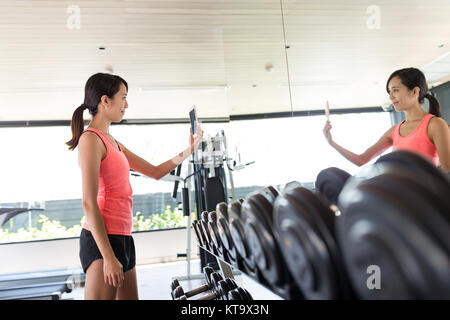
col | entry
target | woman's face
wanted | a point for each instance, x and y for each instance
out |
(402, 98)
(117, 105)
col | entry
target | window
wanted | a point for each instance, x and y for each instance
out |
(288, 149)
(39, 173)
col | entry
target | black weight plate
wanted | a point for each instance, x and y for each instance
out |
(225, 236)
(265, 252)
(435, 182)
(201, 233)
(271, 193)
(244, 293)
(216, 277)
(309, 262)
(212, 228)
(254, 243)
(208, 271)
(178, 292)
(222, 210)
(247, 245)
(239, 239)
(197, 234)
(213, 232)
(224, 233)
(222, 290)
(291, 185)
(252, 271)
(207, 239)
(436, 226)
(320, 212)
(322, 217)
(212, 216)
(208, 236)
(416, 163)
(318, 215)
(234, 210)
(226, 257)
(234, 295)
(231, 283)
(304, 249)
(256, 206)
(266, 208)
(204, 216)
(419, 166)
(381, 228)
(175, 283)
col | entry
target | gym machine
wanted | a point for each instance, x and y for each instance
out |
(40, 285)
(210, 188)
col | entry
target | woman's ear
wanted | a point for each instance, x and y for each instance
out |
(416, 92)
(104, 100)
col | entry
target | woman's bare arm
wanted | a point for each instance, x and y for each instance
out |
(440, 136)
(360, 159)
(157, 172)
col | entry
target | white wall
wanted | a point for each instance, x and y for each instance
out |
(151, 247)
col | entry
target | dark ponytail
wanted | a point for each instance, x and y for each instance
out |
(411, 78)
(77, 126)
(98, 85)
(434, 109)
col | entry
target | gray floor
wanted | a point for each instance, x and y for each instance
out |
(154, 282)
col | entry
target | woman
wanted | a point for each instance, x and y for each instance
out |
(424, 133)
(107, 251)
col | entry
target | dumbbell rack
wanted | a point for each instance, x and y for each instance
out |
(227, 270)
(277, 280)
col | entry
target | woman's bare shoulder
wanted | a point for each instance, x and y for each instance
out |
(388, 133)
(438, 122)
(438, 126)
(90, 141)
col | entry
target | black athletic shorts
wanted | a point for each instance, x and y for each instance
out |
(123, 247)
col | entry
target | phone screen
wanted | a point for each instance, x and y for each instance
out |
(193, 117)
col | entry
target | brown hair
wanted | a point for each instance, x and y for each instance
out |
(98, 85)
(411, 78)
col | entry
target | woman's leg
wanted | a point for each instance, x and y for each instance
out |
(129, 289)
(95, 287)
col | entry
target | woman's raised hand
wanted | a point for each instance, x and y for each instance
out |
(326, 131)
(195, 140)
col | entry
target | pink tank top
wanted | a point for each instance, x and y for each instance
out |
(417, 141)
(114, 196)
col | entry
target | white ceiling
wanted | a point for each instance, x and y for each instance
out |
(214, 54)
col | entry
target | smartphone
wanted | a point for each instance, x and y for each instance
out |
(327, 111)
(194, 120)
